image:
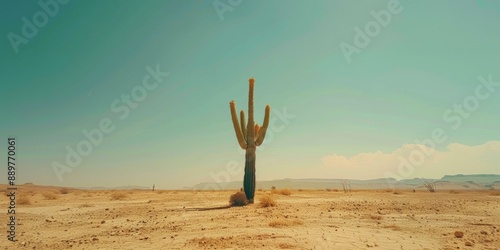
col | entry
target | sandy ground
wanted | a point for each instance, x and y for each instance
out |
(55, 218)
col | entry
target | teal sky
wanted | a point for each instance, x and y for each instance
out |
(426, 60)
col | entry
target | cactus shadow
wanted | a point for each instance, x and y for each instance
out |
(206, 208)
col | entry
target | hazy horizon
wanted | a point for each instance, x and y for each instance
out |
(420, 99)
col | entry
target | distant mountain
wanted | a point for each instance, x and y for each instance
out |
(477, 178)
(480, 181)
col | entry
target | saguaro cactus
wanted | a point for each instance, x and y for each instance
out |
(249, 138)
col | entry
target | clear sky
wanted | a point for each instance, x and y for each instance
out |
(347, 116)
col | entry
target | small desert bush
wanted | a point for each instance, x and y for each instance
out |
(50, 196)
(454, 192)
(24, 200)
(64, 190)
(282, 191)
(396, 192)
(430, 185)
(238, 199)
(267, 201)
(284, 223)
(118, 195)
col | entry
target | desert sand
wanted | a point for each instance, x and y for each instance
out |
(62, 218)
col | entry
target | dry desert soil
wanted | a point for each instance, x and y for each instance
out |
(63, 218)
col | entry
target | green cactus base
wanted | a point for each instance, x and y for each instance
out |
(249, 178)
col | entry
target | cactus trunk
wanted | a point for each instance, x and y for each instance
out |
(249, 178)
(249, 138)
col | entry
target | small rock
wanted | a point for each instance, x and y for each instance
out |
(102, 222)
(484, 232)
(459, 234)
(467, 243)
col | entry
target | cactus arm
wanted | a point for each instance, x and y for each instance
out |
(257, 128)
(263, 129)
(243, 124)
(237, 129)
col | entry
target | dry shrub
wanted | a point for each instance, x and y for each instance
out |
(85, 205)
(430, 185)
(285, 223)
(50, 196)
(118, 195)
(396, 192)
(282, 191)
(64, 190)
(24, 200)
(454, 192)
(238, 199)
(267, 201)
(260, 189)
